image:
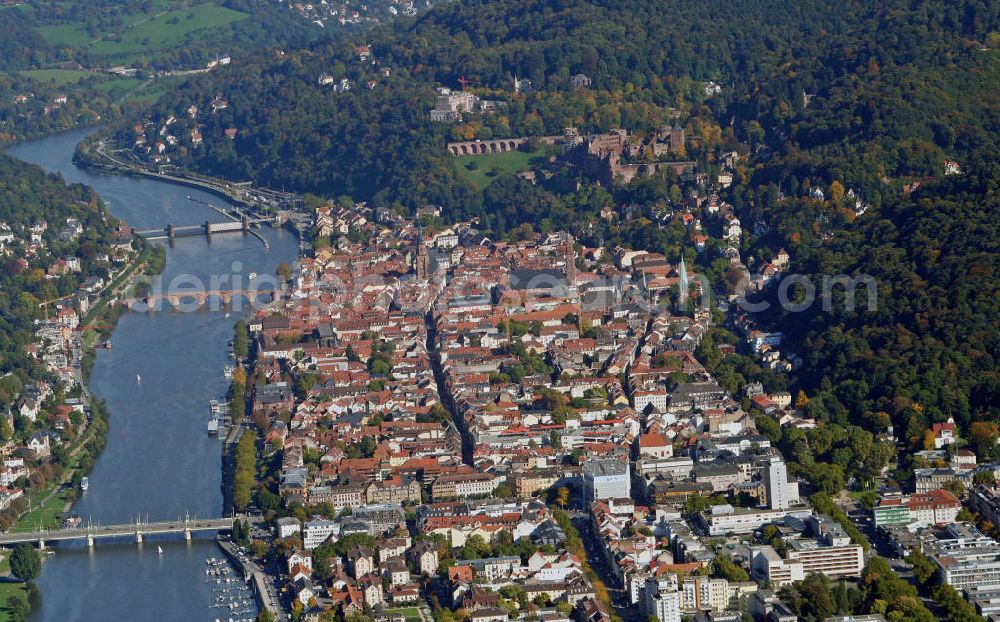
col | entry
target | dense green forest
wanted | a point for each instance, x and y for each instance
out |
(929, 346)
(31, 107)
(21, 44)
(28, 196)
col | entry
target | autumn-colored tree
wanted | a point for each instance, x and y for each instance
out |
(836, 191)
(983, 436)
(284, 270)
(987, 527)
(801, 400)
(562, 496)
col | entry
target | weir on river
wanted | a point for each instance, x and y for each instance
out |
(158, 462)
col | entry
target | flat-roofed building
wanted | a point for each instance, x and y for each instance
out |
(606, 478)
(767, 566)
(832, 561)
(965, 557)
(315, 533)
(723, 519)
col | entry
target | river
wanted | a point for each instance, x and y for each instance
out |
(159, 461)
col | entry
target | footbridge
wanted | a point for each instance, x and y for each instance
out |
(176, 300)
(136, 530)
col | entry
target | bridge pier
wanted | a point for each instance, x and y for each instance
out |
(41, 544)
(90, 542)
(170, 232)
(208, 229)
(187, 534)
(138, 537)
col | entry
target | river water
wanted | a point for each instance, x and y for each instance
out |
(159, 462)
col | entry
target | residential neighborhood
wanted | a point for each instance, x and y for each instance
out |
(452, 414)
(46, 428)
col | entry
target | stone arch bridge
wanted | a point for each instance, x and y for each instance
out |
(483, 147)
(179, 299)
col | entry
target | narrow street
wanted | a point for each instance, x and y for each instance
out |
(598, 562)
(442, 389)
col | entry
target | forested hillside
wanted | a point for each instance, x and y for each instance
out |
(21, 43)
(139, 33)
(929, 346)
(56, 58)
(892, 90)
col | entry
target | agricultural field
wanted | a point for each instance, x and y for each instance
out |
(144, 34)
(119, 87)
(59, 77)
(113, 86)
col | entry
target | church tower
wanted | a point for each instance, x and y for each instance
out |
(423, 260)
(570, 258)
(682, 297)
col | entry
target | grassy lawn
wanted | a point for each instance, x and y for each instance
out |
(72, 35)
(48, 515)
(114, 87)
(118, 84)
(118, 87)
(144, 33)
(59, 76)
(152, 91)
(412, 613)
(167, 30)
(481, 170)
(7, 588)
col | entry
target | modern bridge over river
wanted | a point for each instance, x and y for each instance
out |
(137, 530)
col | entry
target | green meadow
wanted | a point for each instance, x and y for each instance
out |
(482, 170)
(143, 34)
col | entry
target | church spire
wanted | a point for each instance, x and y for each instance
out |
(683, 294)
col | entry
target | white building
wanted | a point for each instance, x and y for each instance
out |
(966, 558)
(725, 519)
(287, 527)
(662, 599)
(776, 481)
(665, 606)
(606, 478)
(846, 560)
(767, 565)
(643, 399)
(316, 532)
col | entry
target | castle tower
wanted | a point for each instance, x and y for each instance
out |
(676, 139)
